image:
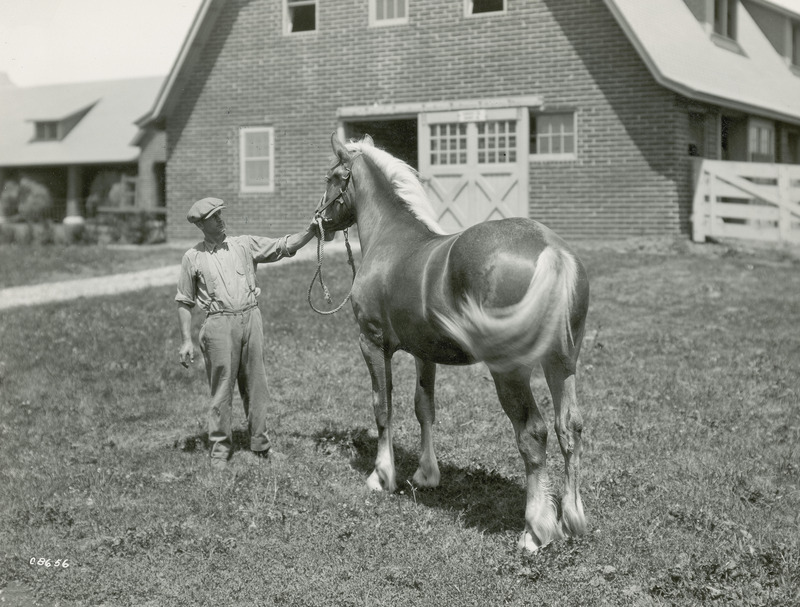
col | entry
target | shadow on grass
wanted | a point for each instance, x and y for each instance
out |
(483, 499)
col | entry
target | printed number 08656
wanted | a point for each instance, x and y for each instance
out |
(63, 563)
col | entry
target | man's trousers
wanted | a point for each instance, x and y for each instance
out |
(232, 346)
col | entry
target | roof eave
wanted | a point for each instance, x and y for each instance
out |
(16, 164)
(686, 91)
(777, 8)
(203, 21)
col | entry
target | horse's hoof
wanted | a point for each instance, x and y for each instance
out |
(527, 543)
(426, 480)
(374, 482)
(573, 521)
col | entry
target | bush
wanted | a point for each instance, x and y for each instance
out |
(42, 232)
(9, 199)
(34, 199)
(133, 228)
(99, 191)
(6, 233)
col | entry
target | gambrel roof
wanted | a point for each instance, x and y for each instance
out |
(683, 56)
(99, 119)
(680, 53)
(199, 31)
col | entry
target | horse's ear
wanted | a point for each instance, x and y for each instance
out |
(338, 148)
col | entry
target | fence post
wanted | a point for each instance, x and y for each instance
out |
(699, 202)
(784, 202)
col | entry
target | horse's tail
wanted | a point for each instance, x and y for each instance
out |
(522, 334)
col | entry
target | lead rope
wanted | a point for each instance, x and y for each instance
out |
(320, 255)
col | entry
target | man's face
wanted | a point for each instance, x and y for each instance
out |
(213, 226)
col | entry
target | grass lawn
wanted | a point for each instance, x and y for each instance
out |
(29, 265)
(689, 383)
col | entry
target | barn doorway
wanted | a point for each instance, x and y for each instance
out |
(398, 136)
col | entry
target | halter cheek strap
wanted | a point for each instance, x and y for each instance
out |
(324, 204)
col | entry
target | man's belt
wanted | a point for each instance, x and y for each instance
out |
(233, 312)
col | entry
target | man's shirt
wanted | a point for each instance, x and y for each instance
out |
(227, 270)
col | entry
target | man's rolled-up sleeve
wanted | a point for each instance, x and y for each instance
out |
(187, 293)
(265, 249)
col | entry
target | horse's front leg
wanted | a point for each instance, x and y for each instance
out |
(379, 364)
(427, 475)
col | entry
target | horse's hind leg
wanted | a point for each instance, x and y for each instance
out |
(380, 369)
(541, 520)
(569, 425)
(427, 475)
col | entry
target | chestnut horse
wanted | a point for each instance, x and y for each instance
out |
(509, 293)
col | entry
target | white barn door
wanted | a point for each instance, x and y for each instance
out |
(474, 164)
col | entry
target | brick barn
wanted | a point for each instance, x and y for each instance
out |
(583, 114)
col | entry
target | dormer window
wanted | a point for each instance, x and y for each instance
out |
(796, 43)
(57, 130)
(725, 18)
(47, 131)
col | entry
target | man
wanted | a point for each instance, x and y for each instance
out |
(218, 275)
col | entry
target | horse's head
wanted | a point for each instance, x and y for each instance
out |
(336, 206)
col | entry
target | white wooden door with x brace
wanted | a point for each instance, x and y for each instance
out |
(474, 164)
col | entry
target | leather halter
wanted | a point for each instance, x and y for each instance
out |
(324, 204)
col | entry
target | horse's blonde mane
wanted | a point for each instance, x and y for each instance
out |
(404, 180)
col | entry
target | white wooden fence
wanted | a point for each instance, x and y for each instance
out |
(748, 200)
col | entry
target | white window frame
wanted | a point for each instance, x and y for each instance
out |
(468, 8)
(794, 43)
(729, 17)
(373, 14)
(757, 130)
(536, 157)
(288, 5)
(243, 187)
(48, 130)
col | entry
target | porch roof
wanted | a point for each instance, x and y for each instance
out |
(683, 56)
(102, 135)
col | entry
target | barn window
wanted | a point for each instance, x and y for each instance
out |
(449, 143)
(480, 7)
(552, 135)
(725, 18)
(301, 16)
(497, 142)
(796, 43)
(257, 158)
(388, 12)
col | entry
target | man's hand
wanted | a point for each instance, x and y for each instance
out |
(313, 228)
(186, 354)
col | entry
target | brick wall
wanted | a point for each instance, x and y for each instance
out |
(153, 150)
(627, 179)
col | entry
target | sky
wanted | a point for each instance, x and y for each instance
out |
(57, 41)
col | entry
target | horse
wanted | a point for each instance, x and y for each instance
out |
(509, 293)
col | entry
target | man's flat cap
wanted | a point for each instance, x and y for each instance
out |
(204, 208)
